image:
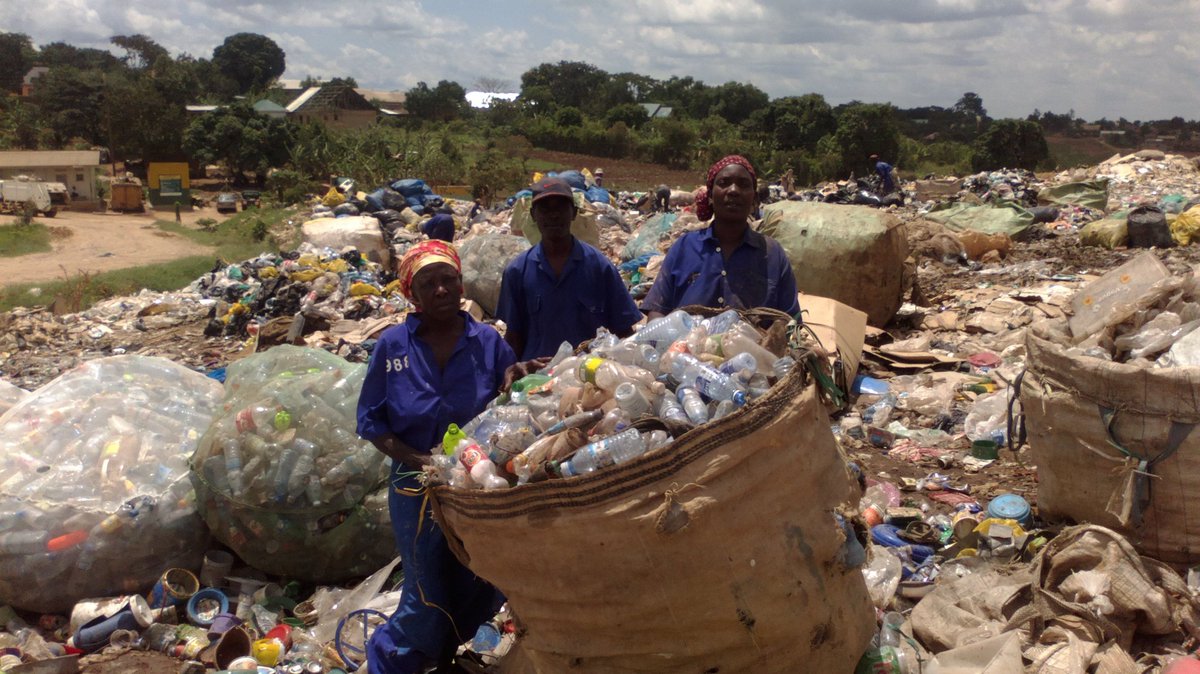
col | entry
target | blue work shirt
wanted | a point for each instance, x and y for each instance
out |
(440, 226)
(549, 310)
(884, 170)
(757, 274)
(405, 393)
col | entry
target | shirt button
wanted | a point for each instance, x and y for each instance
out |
(718, 249)
(723, 273)
(720, 300)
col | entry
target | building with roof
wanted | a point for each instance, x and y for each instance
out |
(27, 83)
(391, 103)
(76, 169)
(336, 105)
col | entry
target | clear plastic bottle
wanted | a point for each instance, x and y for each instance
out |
(878, 413)
(721, 322)
(616, 449)
(631, 399)
(740, 367)
(480, 466)
(232, 449)
(783, 366)
(305, 462)
(23, 542)
(740, 339)
(692, 404)
(669, 409)
(713, 384)
(614, 421)
(891, 639)
(660, 332)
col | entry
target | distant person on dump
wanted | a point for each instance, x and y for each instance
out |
(440, 226)
(887, 175)
(728, 264)
(599, 177)
(662, 199)
(562, 289)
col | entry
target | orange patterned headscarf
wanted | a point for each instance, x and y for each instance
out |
(422, 255)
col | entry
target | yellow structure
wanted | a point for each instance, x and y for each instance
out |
(168, 183)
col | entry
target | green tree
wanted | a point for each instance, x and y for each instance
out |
(736, 101)
(250, 60)
(798, 121)
(142, 110)
(16, 57)
(631, 115)
(71, 101)
(443, 103)
(568, 116)
(20, 126)
(140, 51)
(1009, 143)
(240, 138)
(862, 130)
(970, 105)
(84, 58)
(566, 83)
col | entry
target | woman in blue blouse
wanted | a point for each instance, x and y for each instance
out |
(438, 367)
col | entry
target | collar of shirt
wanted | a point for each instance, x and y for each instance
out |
(412, 322)
(538, 254)
(751, 238)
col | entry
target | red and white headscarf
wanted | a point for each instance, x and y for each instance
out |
(420, 256)
(704, 209)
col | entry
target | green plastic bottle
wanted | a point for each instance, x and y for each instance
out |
(450, 440)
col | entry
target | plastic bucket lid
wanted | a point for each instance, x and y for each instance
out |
(1010, 507)
(141, 610)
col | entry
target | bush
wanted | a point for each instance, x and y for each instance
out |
(288, 186)
(1010, 143)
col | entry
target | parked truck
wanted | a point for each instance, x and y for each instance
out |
(14, 194)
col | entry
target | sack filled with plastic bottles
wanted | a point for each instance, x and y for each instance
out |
(679, 491)
(281, 477)
(94, 495)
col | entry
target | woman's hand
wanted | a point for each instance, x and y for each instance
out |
(401, 453)
(520, 369)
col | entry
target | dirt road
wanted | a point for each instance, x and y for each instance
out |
(98, 243)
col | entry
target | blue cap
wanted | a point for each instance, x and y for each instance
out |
(1010, 507)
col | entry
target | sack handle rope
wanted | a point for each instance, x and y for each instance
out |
(1145, 463)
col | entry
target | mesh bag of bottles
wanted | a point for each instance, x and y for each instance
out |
(717, 550)
(281, 477)
(94, 495)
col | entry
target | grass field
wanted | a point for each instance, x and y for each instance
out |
(17, 239)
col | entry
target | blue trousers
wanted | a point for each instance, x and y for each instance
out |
(442, 602)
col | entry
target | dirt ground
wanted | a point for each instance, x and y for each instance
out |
(624, 174)
(130, 662)
(99, 242)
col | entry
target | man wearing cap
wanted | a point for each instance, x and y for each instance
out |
(562, 289)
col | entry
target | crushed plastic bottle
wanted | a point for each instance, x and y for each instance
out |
(615, 449)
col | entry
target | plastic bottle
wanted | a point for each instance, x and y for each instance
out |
(608, 374)
(723, 409)
(656, 439)
(740, 367)
(614, 421)
(741, 340)
(615, 449)
(451, 438)
(258, 417)
(233, 465)
(23, 542)
(580, 420)
(693, 406)
(783, 366)
(632, 400)
(305, 462)
(713, 385)
(480, 467)
(878, 413)
(891, 638)
(669, 409)
(660, 332)
(721, 322)
(283, 470)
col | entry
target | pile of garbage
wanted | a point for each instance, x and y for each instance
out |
(579, 415)
(1010, 185)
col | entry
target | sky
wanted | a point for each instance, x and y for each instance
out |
(1100, 58)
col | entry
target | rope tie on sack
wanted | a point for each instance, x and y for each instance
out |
(1139, 468)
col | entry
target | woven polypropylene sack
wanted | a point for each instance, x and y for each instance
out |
(1083, 477)
(718, 553)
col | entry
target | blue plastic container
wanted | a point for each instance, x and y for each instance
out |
(1011, 507)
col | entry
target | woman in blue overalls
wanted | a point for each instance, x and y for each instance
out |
(437, 368)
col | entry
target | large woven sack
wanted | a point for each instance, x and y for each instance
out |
(584, 226)
(718, 553)
(360, 231)
(853, 254)
(484, 259)
(1114, 446)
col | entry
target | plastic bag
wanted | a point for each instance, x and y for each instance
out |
(10, 395)
(1156, 336)
(646, 239)
(94, 496)
(988, 419)
(882, 573)
(484, 259)
(333, 604)
(281, 476)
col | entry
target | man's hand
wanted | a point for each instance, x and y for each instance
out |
(401, 453)
(520, 369)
